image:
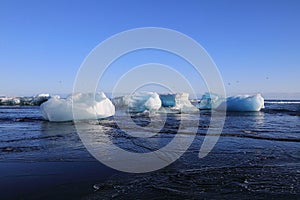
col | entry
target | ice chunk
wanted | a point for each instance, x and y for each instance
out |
(122, 101)
(139, 101)
(142, 101)
(177, 103)
(167, 100)
(10, 101)
(40, 98)
(151, 101)
(183, 104)
(56, 109)
(210, 101)
(28, 101)
(243, 103)
(43, 95)
(86, 106)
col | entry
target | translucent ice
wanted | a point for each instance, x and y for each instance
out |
(243, 103)
(142, 101)
(240, 103)
(151, 101)
(183, 104)
(167, 100)
(210, 101)
(86, 106)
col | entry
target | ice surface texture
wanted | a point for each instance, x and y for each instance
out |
(86, 106)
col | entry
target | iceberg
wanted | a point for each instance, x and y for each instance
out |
(86, 106)
(243, 103)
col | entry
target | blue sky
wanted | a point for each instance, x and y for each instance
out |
(255, 44)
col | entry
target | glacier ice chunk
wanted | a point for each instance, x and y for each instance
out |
(24, 101)
(210, 101)
(183, 104)
(10, 101)
(151, 101)
(167, 100)
(122, 101)
(243, 103)
(142, 101)
(40, 98)
(86, 106)
(239, 103)
(139, 101)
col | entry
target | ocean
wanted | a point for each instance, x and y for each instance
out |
(257, 156)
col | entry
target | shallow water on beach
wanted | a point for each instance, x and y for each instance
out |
(257, 156)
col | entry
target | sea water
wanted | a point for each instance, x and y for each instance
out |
(257, 155)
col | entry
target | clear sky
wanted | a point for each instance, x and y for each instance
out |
(255, 44)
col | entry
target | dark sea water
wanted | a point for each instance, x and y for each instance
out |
(257, 156)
